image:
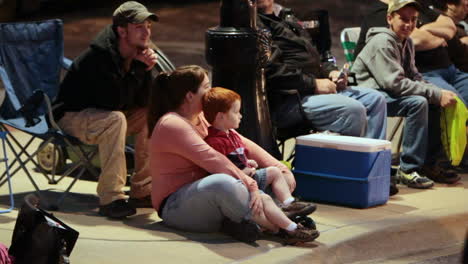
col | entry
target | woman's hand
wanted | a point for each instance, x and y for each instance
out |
(256, 203)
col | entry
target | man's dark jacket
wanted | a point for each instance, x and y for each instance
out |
(97, 80)
(294, 63)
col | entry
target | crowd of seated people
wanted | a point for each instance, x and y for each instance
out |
(112, 90)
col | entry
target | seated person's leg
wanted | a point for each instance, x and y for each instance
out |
(107, 129)
(278, 184)
(435, 152)
(337, 113)
(415, 136)
(460, 83)
(141, 180)
(289, 204)
(415, 131)
(202, 205)
(376, 110)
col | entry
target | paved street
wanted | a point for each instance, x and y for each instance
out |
(412, 223)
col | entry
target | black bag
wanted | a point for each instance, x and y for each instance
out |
(39, 237)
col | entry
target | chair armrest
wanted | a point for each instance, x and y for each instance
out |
(352, 79)
(287, 92)
(164, 64)
(66, 63)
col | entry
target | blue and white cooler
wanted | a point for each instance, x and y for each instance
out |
(351, 171)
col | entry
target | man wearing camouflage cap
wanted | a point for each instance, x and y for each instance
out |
(103, 99)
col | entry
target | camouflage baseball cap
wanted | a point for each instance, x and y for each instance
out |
(132, 12)
(395, 5)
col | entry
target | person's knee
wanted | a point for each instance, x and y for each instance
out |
(116, 119)
(266, 199)
(274, 173)
(379, 99)
(227, 185)
(419, 103)
(356, 112)
(356, 120)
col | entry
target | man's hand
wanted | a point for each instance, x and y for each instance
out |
(340, 78)
(256, 203)
(440, 42)
(464, 40)
(147, 56)
(252, 163)
(325, 86)
(447, 98)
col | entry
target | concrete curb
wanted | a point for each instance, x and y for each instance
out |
(373, 242)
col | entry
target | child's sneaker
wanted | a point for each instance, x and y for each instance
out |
(300, 235)
(297, 208)
(414, 180)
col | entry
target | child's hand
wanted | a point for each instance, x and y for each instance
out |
(252, 163)
(249, 171)
(256, 203)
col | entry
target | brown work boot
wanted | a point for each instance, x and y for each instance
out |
(297, 208)
(300, 235)
(117, 209)
(440, 175)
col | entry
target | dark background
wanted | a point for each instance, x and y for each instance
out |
(181, 30)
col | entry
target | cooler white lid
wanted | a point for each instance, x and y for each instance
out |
(358, 144)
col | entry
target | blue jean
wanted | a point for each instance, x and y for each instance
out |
(415, 109)
(355, 111)
(451, 79)
(200, 206)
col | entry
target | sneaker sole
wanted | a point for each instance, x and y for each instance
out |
(292, 241)
(426, 186)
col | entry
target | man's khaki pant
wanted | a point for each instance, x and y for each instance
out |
(108, 129)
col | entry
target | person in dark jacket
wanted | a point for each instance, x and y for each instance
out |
(326, 100)
(103, 98)
(458, 45)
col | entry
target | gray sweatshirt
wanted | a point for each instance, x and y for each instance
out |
(387, 63)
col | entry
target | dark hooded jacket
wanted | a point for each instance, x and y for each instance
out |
(294, 64)
(97, 80)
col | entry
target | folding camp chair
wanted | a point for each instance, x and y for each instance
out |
(31, 58)
(349, 37)
(4, 160)
(54, 157)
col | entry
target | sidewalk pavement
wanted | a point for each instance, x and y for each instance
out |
(414, 221)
